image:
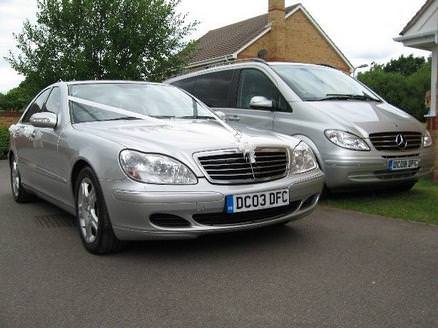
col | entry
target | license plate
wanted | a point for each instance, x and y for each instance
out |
(257, 201)
(403, 164)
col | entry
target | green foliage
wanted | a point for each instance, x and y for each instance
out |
(405, 65)
(3, 103)
(4, 142)
(102, 39)
(17, 98)
(398, 84)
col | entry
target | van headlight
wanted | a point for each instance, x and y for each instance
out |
(155, 169)
(302, 159)
(346, 140)
(427, 139)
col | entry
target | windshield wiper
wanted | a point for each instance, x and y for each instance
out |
(128, 118)
(162, 116)
(199, 117)
(341, 96)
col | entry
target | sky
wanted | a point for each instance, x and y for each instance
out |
(363, 30)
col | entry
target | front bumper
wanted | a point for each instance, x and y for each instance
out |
(132, 204)
(354, 169)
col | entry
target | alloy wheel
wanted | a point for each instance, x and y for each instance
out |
(87, 210)
(15, 178)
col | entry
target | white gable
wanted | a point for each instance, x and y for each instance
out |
(427, 22)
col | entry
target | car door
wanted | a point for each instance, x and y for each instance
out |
(49, 164)
(24, 136)
(252, 83)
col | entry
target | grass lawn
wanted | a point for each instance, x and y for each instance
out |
(420, 204)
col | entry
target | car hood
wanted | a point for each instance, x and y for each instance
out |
(366, 117)
(178, 136)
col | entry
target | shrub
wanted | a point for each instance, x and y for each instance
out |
(4, 143)
(402, 82)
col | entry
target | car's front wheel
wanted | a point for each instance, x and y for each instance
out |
(18, 192)
(92, 216)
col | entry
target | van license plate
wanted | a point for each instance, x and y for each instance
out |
(257, 201)
(403, 164)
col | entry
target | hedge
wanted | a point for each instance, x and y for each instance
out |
(4, 143)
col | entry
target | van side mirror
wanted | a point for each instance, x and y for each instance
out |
(44, 120)
(259, 102)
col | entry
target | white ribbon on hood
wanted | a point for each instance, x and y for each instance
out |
(244, 143)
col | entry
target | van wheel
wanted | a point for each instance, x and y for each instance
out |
(20, 194)
(92, 216)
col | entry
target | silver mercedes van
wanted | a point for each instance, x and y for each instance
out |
(359, 139)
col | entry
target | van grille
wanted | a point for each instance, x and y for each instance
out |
(396, 141)
(232, 167)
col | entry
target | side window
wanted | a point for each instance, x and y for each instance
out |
(212, 88)
(188, 84)
(53, 104)
(36, 106)
(252, 83)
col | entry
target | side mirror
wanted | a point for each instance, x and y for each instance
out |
(221, 115)
(261, 102)
(44, 120)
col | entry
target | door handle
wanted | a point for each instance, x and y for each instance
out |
(233, 118)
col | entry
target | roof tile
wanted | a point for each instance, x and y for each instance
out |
(229, 39)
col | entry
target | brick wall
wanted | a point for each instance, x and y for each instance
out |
(303, 43)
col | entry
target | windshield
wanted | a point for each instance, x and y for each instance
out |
(158, 101)
(313, 83)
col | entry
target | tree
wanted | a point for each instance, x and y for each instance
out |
(405, 65)
(3, 105)
(102, 39)
(399, 84)
(17, 98)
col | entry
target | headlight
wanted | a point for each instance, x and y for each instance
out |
(155, 169)
(346, 140)
(302, 159)
(427, 139)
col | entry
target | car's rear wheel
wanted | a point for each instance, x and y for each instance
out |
(18, 192)
(92, 216)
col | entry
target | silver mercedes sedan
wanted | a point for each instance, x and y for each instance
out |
(137, 161)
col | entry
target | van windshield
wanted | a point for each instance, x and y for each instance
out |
(313, 83)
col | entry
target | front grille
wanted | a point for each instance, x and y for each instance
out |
(213, 219)
(396, 141)
(233, 167)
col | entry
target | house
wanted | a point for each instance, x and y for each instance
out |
(284, 34)
(421, 32)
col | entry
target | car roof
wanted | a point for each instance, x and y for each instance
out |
(85, 82)
(110, 82)
(242, 64)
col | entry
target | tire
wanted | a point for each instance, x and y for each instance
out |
(92, 217)
(20, 194)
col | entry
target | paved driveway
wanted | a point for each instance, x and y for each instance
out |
(333, 269)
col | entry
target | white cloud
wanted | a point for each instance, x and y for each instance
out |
(363, 30)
